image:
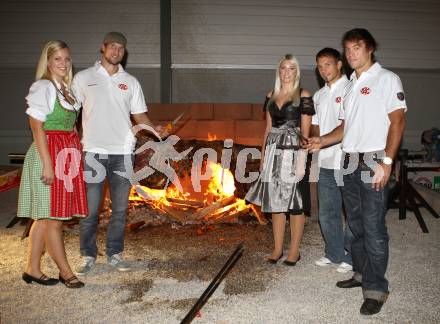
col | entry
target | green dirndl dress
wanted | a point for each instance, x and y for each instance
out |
(66, 196)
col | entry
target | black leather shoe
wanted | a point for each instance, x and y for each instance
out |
(43, 280)
(371, 306)
(292, 263)
(72, 282)
(274, 261)
(350, 283)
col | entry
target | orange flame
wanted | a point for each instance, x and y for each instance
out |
(221, 185)
(212, 137)
(222, 182)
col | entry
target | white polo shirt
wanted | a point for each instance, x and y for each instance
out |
(328, 103)
(107, 103)
(367, 102)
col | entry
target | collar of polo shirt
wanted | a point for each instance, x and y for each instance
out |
(101, 69)
(342, 79)
(373, 70)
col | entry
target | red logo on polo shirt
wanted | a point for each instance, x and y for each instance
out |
(338, 99)
(122, 86)
(365, 90)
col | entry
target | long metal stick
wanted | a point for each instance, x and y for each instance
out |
(214, 284)
(302, 139)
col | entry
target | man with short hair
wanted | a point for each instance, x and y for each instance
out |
(110, 96)
(328, 103)
(373, 117)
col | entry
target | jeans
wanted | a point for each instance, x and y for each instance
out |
(119, 192)
(366, 210)
(337, 241)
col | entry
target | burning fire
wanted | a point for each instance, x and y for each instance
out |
(212, 137)
(218, 200)
(222, 181)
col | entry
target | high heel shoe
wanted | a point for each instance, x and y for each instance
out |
(69, 284)
(43, 280)
(274, 261)
(292, 263)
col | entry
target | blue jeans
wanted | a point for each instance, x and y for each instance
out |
(337, 241)
(119, 192)
(366, 210)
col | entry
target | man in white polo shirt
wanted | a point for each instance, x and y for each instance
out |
(328, 103)
(110, 96)
(371, 131)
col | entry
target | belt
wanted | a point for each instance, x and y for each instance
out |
(289, 147)
(361, 155)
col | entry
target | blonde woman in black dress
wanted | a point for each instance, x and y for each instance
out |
(278, 190)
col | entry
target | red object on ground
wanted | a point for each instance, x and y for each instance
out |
(10, 185)
(9, 179)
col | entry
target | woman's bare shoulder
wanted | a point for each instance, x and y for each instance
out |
(305, 93)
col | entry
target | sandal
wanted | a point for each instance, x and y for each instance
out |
(292, 263)
(43, 280)
(274, 261)
(72, 282)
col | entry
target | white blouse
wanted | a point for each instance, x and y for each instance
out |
(41, 100)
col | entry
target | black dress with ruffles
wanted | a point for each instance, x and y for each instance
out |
(277, 190)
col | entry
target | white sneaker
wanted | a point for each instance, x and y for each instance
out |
(344, 268)
(87, 265)
(323, 262)
(116, 261)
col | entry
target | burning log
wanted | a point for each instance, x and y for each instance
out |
(202, 200)
(258, 214)
(238, 213)
(177, 215)
(219, 213)
(190, 203)
(183, 167)
(212, 208)
(183, 207)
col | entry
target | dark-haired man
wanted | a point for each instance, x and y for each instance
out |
(373, 117)
(328, 103)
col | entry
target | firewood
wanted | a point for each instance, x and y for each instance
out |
(182, 207)
(136, 225)
(241, 212)
(219, 213)
(174, 214)
(193, 203)
(198, 215)
(258, 214)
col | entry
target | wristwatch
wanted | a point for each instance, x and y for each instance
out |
(387, 160)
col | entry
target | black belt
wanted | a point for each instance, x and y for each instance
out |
(289, 147)
(361, 155)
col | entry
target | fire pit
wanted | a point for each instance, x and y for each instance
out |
(203, 190)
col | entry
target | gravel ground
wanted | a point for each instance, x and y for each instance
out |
(173, 265)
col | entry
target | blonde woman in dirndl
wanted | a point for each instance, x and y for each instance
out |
(279, 189)
(52, 188)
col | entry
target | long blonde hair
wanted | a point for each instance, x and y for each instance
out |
(295, 90)
(48, 50)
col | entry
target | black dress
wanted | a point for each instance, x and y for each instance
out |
(277, 190)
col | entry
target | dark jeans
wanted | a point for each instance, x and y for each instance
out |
(119, 192)
(366, 209)
(337, 240)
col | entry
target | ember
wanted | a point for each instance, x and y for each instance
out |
(212, 137)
